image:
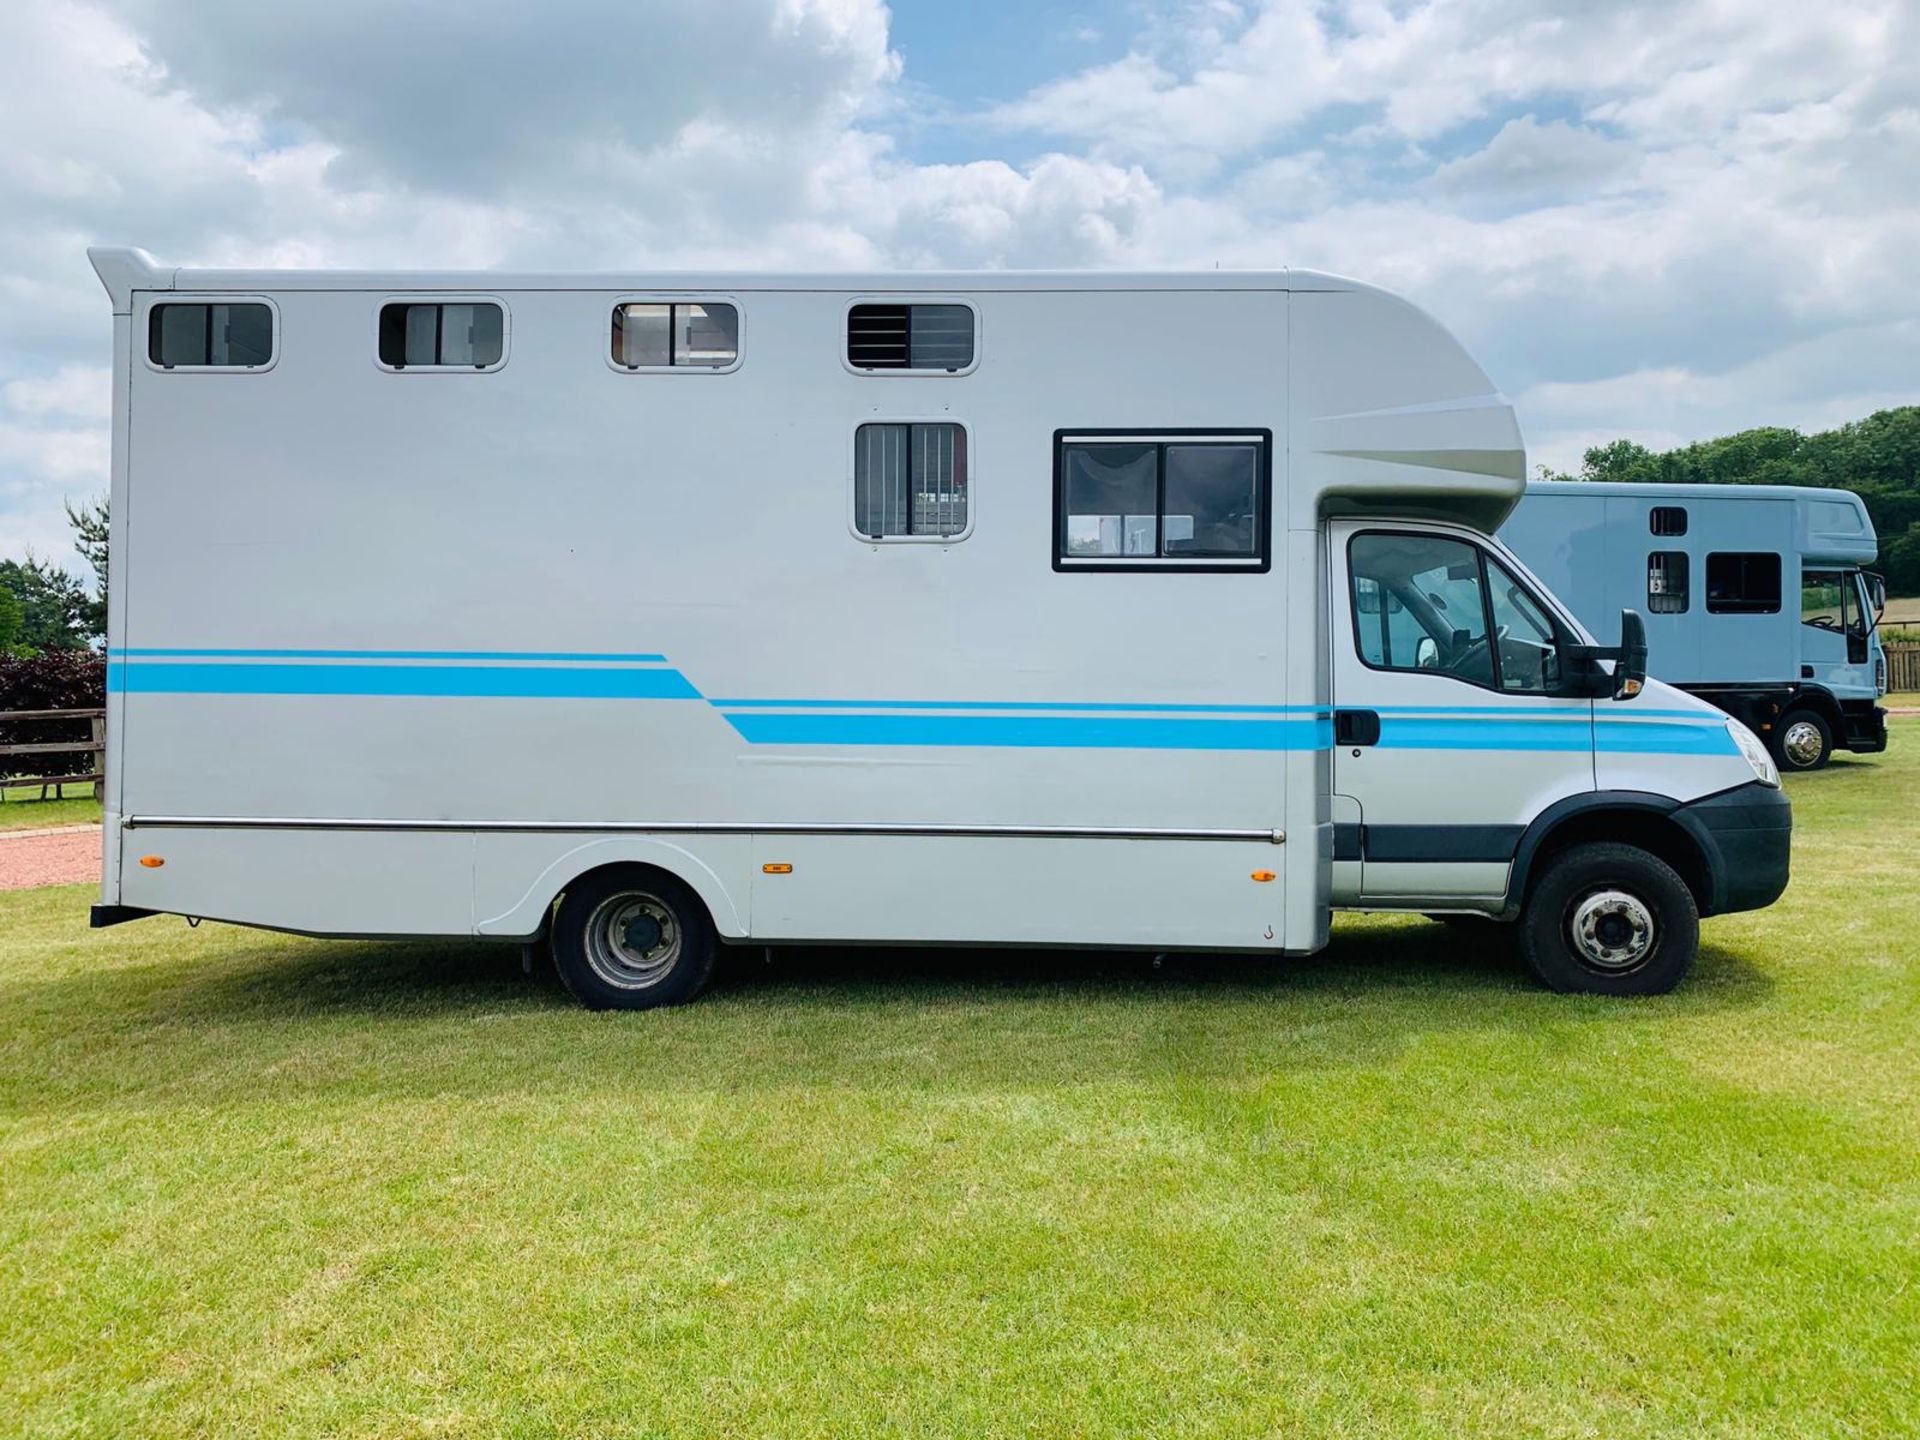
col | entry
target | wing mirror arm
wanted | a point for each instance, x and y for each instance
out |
(1629, 676)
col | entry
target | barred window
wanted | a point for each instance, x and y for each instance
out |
(1667, 582)
(910, 481)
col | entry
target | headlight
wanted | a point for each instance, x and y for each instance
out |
(1756, 754)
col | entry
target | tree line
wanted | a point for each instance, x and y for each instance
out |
(1877, 458)
(45, 608)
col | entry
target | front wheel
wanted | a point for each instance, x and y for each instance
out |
(1609, 919)
(633, 938)
(1802, 741)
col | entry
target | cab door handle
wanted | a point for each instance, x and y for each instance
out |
(1356, 727)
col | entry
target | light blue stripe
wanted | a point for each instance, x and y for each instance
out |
(1499, 712)
(1660, 737)
(1034, 732)
(1021, 705)
(570, 682)
(1461, 733)
(563, 655)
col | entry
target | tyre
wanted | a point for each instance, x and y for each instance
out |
(633, 938)
(1802, 741)
(1609, 919)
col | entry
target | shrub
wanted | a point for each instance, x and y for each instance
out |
(58, 680)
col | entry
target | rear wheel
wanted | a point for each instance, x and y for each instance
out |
(1802, 740)
(631, 939)
(1609, 919)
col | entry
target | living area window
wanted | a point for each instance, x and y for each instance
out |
(1162, 500)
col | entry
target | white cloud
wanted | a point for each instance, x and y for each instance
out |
(1644, 218)
(73, 392)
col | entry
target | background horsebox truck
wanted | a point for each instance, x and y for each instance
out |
(641, 614)
(1755, 596)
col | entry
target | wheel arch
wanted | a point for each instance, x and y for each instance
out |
(1821, 700)
(526, 916)
(1655, 823)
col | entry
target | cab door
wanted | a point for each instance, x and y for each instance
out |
(1835, 648)
(1449, 738)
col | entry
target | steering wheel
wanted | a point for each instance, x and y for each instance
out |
(1473, 649)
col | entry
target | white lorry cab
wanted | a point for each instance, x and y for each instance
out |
(643, 613)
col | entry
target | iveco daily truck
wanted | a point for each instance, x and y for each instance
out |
(1756, 597)
(641, 614)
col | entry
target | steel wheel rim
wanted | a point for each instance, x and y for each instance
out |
(1802, 742)
(1612, 931)
(633, 940)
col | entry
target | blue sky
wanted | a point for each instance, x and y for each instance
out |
(1663, 220)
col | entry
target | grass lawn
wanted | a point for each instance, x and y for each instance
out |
(257, 1186)
(25, 810)
(1902, 700)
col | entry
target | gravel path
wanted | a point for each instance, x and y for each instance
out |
(67, 856)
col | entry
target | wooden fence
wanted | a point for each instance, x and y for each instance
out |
(94, 746)
(1903, 667)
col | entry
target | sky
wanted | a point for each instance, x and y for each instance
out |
(1665, 220)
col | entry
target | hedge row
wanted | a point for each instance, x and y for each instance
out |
(58, 680)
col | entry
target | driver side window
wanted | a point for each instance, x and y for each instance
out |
(1418, 605)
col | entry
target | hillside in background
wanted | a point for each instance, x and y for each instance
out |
(1877, 458)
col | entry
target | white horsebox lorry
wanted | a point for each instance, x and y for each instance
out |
(644, 613)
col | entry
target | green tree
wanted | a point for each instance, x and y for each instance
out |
(90, 539)
(53, 605)
(12, 620)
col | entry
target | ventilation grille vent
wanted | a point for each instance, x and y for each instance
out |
(877, 337)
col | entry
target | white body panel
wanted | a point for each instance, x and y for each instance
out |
(405, 653)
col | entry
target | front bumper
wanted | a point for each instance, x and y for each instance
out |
(1747, 836)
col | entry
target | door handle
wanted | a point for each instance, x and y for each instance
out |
(1356, 727)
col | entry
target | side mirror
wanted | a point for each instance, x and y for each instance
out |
(1426, 654)
(1876, 593)
(1630, 670)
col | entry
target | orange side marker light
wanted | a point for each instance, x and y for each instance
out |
(152, 862)
(1263, 876)
(776, 868)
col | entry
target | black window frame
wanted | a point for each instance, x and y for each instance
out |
(210, 304)
(1258, 563)
(440, 303)
(1667, 532)
(908, 304)
(1562, 637)
(1744, 607)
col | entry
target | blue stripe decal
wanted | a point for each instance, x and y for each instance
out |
(1462, 733)
(1060, 705)
(1499, 712)
(133, 652)
(558, 682)
(1661, 737)
(1034, 731)
(1067, 724)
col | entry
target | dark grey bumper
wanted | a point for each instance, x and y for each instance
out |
(1747, 835)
